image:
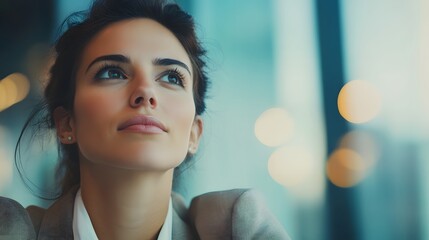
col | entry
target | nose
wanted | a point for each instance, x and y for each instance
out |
(143, 95)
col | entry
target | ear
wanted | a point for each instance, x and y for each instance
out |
(64, 125)
(196, 132)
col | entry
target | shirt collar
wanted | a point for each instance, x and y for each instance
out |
(83, 229)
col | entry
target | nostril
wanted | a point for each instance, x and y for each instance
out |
(151, 101)
(138, 100)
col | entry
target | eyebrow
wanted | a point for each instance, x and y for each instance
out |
(125, 59)
(169, 61)
(113, 57)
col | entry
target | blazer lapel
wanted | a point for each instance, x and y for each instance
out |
(57, 222)
(182, 229)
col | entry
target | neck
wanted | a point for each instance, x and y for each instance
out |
(125, 204)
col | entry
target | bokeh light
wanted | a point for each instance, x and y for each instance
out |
(8, 93)
(359, 101)
(290, 166)
(364, 143)
(274, 127)
(345, 168)
(6, 170)
(13, 89)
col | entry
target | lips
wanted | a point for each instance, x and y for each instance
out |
(143, 123)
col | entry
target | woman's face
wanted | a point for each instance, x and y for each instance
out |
(134, 105)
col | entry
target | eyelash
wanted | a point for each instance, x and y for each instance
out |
(107, 67)
(177, 74)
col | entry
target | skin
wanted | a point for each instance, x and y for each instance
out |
(126, 176)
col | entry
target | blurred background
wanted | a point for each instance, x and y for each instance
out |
(322, 106)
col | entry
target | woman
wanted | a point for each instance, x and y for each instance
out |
(125, 96)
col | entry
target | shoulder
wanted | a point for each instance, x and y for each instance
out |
(14, 220)
(234, 214)
(55, 222)
(36, 215)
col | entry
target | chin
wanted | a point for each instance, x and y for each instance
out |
(145, 163)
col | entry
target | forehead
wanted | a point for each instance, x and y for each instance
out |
(140, 39)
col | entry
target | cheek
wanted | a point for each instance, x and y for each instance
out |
(182, 112)
(94, 114)
(183, 117)
(93, 109)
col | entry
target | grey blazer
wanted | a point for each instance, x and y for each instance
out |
(233, 214)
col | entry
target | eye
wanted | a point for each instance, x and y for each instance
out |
(172, 77)
(110, 72)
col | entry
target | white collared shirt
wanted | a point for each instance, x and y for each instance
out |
(83, 229)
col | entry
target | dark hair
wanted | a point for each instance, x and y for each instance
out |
(82, 27)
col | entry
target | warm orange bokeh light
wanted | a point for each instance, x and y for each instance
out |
(274, 127)
(345, 168)
(13, 89)
(359, 101)
(364, 144)
(290, 166)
